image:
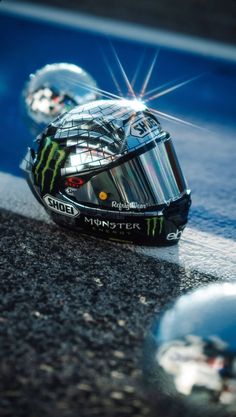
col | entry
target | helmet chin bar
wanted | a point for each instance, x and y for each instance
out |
(157, 228)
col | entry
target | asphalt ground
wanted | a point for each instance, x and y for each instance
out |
(74, 315)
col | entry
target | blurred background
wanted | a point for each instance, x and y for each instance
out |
(214, 19)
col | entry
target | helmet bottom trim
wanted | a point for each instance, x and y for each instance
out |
(151, 231)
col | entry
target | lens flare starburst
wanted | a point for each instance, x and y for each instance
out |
(144, 97)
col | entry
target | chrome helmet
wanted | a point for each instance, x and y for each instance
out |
(108, 169)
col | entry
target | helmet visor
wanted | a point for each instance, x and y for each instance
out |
(151, 178)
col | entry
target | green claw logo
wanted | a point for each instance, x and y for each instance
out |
(152, 223)
(48, 163)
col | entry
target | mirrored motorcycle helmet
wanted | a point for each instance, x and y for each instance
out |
(108, 169)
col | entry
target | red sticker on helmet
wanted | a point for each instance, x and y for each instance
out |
(74, 182)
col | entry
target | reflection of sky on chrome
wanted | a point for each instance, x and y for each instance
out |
(202, 312)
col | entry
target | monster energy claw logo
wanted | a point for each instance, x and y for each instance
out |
(152, 223)
(47, 165)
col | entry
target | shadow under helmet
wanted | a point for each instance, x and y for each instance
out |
(108, 169)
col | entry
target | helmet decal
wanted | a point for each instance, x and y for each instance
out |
(48, 164)
(152, 223)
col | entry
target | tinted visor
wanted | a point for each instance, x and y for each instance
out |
(149, 179)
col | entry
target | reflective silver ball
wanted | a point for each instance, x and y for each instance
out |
(190, 354)
(57, 88)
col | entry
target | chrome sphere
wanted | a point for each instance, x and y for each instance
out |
(190, 354)
(57, 88)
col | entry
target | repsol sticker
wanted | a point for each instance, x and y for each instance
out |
(143, 126)
(60, 206)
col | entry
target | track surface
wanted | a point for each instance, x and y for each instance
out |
(75, 310)
(74, 313)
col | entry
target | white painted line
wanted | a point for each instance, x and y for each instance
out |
(120, 29)
(17, 197)
(196, 251)
(200, 251)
